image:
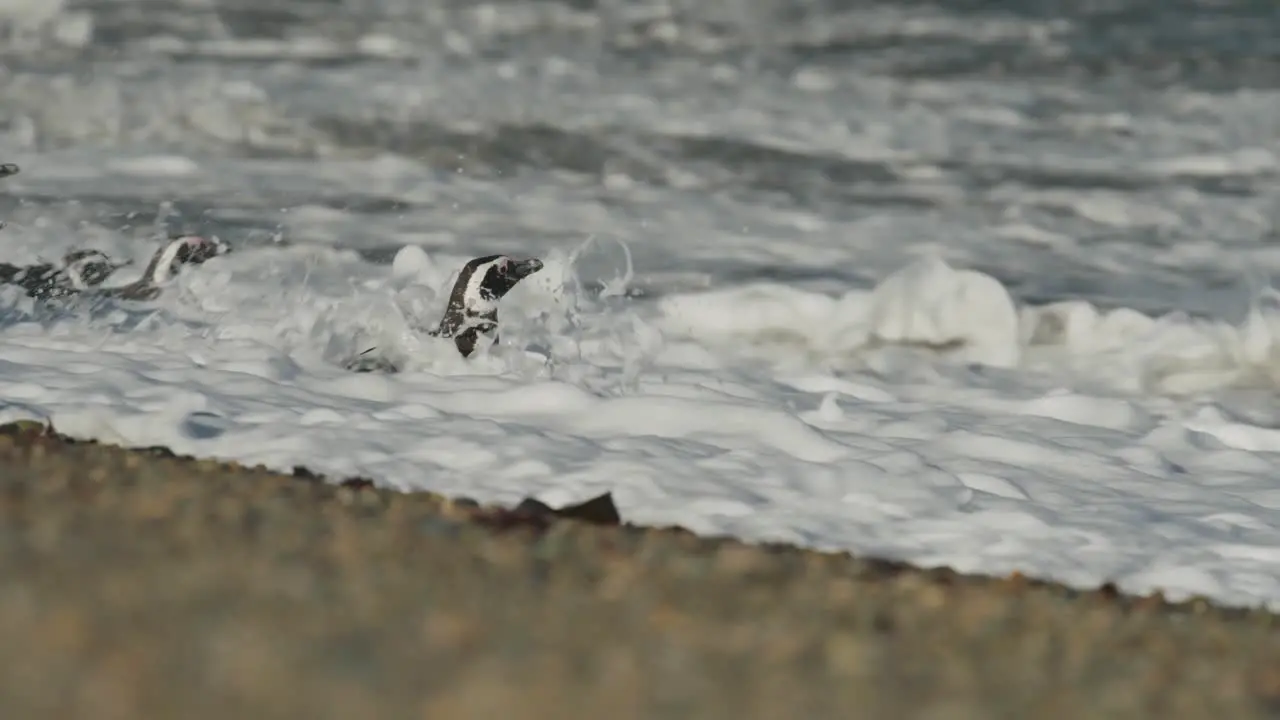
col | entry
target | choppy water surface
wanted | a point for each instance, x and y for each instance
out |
(1132, 149)
(973, 282)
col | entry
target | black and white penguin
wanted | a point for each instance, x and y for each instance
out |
(472, 310)
(80, 270)
(84, 271)
(167, 262)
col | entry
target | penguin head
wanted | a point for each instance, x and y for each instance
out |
(485, 280)
(182, 250)
(473, 303)
(473, 306)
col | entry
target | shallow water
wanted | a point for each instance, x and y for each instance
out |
(982, 284)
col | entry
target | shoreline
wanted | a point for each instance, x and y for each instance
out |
(510, 519)
(161, 585)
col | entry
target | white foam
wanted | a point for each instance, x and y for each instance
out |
(29, 13)
(960, 314)
(675, 408)
(156, 165)
(852, 391)
(412, 263)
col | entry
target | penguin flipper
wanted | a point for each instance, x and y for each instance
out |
(364, 362)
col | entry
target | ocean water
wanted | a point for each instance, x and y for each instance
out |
(979, 284)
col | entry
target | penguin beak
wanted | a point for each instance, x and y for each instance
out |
(521, 269)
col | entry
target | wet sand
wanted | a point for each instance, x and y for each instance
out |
(141, 585)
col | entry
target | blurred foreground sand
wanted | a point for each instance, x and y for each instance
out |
(139, 586)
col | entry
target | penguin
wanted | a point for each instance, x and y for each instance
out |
(472, 310)
(167, 262)
(84, 271)
(80, 270)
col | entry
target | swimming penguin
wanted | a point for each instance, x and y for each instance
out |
(473, 307)
(80, 270)
(84, 271)
(166, 262)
